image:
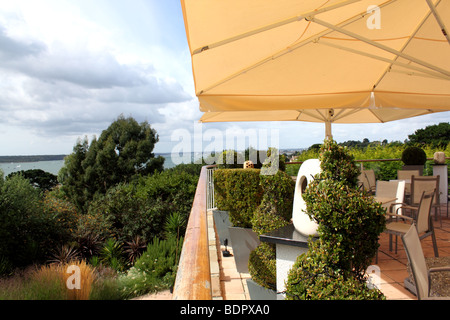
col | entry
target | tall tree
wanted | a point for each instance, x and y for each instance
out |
(124, 150)
(437, 135)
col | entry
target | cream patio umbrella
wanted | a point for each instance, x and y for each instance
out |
(342, 61)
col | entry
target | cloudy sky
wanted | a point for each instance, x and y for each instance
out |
(68, 68)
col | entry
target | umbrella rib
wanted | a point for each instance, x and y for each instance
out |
(439, 20)
(320, 117)
(379, 45)
(404, 65)
(288, 50)
(404, 47)
(272, 26)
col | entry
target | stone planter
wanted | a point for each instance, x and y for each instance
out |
(258, 292)
(243, 242)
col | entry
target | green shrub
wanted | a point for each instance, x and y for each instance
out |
(274, 162)
(112, 254)
(154, 270)
(26, 233)
(275, 209)
(230, 159)
(350, 222)
(239, 192)
(142, 207)
(273, 213)
(414, 156)
(262, 265)
(313, 278)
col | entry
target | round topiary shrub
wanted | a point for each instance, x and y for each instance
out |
(414, 156)
(350, 222)
(313, 278)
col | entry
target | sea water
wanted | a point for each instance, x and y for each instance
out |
(54, 166)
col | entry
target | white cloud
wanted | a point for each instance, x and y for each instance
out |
(64, 75)
(69, 68)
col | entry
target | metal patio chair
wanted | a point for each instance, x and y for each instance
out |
(421, 273)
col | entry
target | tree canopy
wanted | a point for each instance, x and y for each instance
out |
(437, 135)
(123, 151)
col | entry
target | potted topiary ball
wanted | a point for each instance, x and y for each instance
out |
(414, 158)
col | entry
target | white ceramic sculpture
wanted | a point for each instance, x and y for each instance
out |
(302, 222)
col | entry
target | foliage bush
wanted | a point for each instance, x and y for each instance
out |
(239, 192)
(313, 278)
(64, 214)
(38, 178)
(26, 232)
(141, 208)
(154, 270)
(275, 208)
(350, 222)
(232, 159)
(414, 156)
(274, 212)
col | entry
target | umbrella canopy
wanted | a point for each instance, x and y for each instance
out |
(343, 61)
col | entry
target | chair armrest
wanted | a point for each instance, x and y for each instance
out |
(407, 206)
(399, 216)
(439, 269)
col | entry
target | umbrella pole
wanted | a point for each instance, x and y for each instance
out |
(328, 134)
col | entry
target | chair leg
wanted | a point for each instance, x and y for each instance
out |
(436, 213)
(396, 241)
(433, 238)
(390, 242)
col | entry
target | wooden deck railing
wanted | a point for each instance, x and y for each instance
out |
(193, 281)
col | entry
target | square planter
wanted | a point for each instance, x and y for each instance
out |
(258, 292)
(243, 242)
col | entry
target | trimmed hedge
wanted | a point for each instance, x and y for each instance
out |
(239, 192)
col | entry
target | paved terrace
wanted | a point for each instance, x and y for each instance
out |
(228, 284)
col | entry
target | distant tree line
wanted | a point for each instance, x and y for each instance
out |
(435, 136)
(35, 158)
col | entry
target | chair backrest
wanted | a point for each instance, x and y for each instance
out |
(423, 221)
(406, 175)
(367, 179)
(391, 189)
(419, 184)
(417, 262)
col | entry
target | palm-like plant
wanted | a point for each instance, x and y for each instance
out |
(64, 254)
(175, 225)
(89, 245)
(135, 248)
(112, 254)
